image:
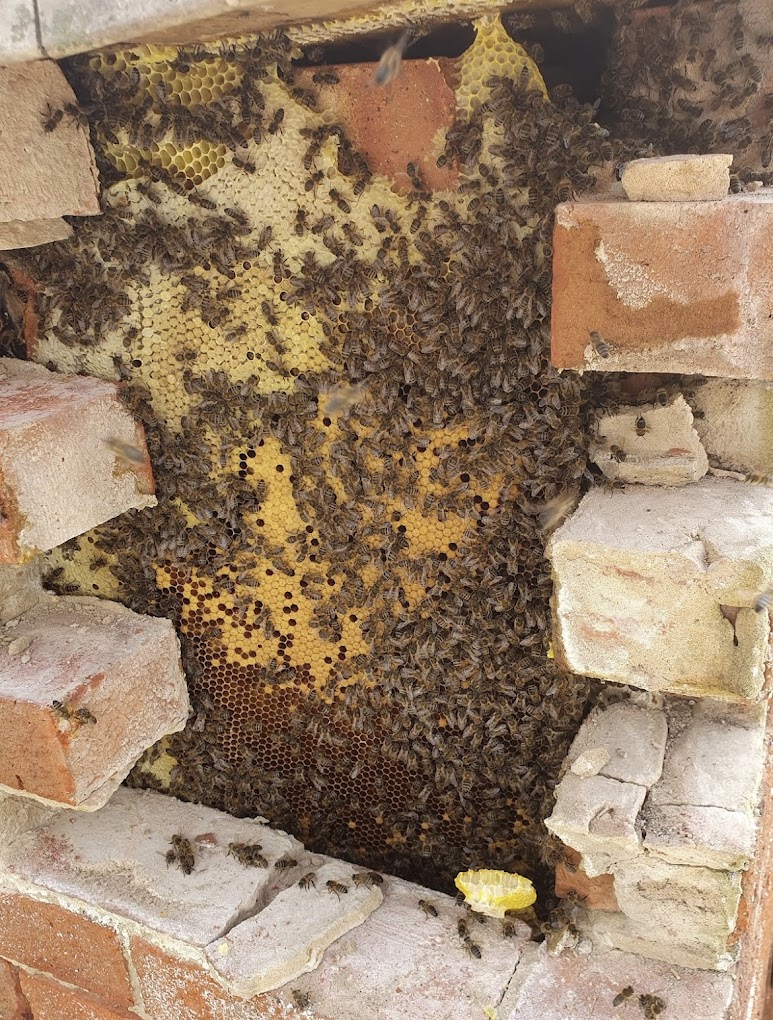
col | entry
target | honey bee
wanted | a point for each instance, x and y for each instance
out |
(564, 190)
(341, 202)
(243, 164)
(367, 878)
(75, 717)
(51, 118)
(181, 854)
(652, 1005)
(300, 222)
(276, 121)
(641, 426)
(301, 999)
(758, 478)
(308, 880)
(336, 888)
(325, 78)
(763, 601)
(389, 64)
(248, 854)
(623, 995)
(472, 949)
(508, 930)
(125, 451)
(429, 909)
(600, 345)
(462, 929)
(617, 453)
(285, 863)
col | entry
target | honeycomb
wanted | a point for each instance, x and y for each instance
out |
(351, 416)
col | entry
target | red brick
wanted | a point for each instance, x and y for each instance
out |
(124, 668)
(399, 123)
(13, 1005)
(51, 1001)
(58, 478)
(595, 893)
(672, 286)
(174, 989)
(74, 949)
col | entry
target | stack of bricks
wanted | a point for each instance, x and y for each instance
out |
(662, 585)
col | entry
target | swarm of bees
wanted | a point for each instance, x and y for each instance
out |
(359, 444)
(248, 854)
(181, 854)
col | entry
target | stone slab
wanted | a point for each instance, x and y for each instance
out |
(735, 423)
(31, 233)
(18, 38)
(633, 736)
(708, 837)
(689, 178)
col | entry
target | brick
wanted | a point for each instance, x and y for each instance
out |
(677, 178)
(87, 653)
(114, 859)
(18, 40)
(18, 815)
(673, 287)
(643, 578)
(289, 936)
(20, 589)
(30, 233)
(13, 1005)
(43, 175)
(669, 452)
(70, 947)
(578, 987)
(596, 893)
(58, 477)
(51, 1001)
(735, 424)
(707, 836)
(633, 736)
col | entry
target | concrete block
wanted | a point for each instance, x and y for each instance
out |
(119, 670)
(734, 419)
(634, 738)
(715, 758)
(58, 476)
(30, 233)
(677, 178)
(708, 837)
(650, 445)
(671, 286)
(642, 582)
(18, 39)
(577, 987)
(289, 936)
(43, 174)
(20, 589)
(115, 859)
(597, 817)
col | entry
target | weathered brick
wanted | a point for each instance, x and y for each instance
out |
(51, 1001)
(595, 893)
(58, 476)
(13, 1005)
(89, 654)
(72, 948)
(677, 178)
(734, 421)
(671, 286)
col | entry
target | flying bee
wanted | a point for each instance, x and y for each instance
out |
(623, 995)
(125, 451)
(181, 854)
(301, 999)
(336, 888)
(367, 878)
(617, 453)
(389, 64)
(308, 880)
(429, 909)
(641, 426)
(285, 863)
(325, 78)
(763, 601)
(51, 118)
(600, 346)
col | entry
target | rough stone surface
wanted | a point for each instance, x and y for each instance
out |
(579, 987)
(92, 655)
(30, 233)
(18, 40)
(19, 814)
(43, 175)
(736, 427)
(643, 579)
(590, 762)
(289, 936)
(710, 837)
(669, 452)
(58, 478)
(634, 738)
(72, 948)
(597, 817)
(671, 286)
(677, 178)
(50, 1000)
(129, 876)
(20, 589)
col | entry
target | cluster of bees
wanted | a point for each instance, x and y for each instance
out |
(358, 441)
(652, 1005)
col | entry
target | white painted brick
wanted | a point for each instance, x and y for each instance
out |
(18, 39)
(677, 178)
(641, 577)
(736, 429)
(708, 837)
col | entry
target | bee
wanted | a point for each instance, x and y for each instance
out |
(758, 478)
(308, 880)
(125, 451)
(472, 949)
(325, 78)
(181, 854)
(429, 909)
(276, 121)
(352, 235)
(617, 453)
(694, 109)
(341, 202)
(462, 929)
(652, 1005)
(248, 854)
(83, 716)
(300, 222)
(661, 397)
(389, 64)
(243, 164)
(367, 878)
(360, 185)
(623, 995)
(76, 717)
(301, 999)
(316, 178)
(268, 313)
(508, 930)
(763, 601)
(641, 426)
(336, 888)
(285, 863)
(204, 203)
(51, 118)
(600, 346)
(564, 190)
